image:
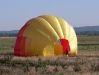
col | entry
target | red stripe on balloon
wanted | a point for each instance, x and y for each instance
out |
(22, 29)
(17, 46)
(65, 44)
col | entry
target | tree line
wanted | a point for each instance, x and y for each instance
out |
(87, 33)
(8, 34)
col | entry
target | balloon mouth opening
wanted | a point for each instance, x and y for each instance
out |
(62, 46)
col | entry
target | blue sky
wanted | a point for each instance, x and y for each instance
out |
(15, 13)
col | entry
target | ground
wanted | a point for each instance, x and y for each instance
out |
(84, 63)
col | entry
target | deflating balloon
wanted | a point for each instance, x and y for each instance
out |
(46, 35)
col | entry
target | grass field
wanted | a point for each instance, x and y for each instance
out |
(85, 63)
(7, 44)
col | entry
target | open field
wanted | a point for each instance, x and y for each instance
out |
(85, 63)
(7, 44)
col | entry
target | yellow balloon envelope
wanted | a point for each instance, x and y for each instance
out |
(46, 35)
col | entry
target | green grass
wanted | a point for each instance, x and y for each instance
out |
(88, 39)
(85, 43)
(7, 44)
(88, 44)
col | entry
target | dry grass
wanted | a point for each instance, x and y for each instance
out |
(57, 65)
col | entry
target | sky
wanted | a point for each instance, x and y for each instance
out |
(15, 13)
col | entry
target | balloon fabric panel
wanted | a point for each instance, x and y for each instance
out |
(45, 27)
(17, 46)
(64, 25)
(65, 45)
(22, 30)
(28, 51)
(22, 46)
(55, 24)
(58, 50)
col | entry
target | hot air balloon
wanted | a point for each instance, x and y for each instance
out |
(46, 35)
